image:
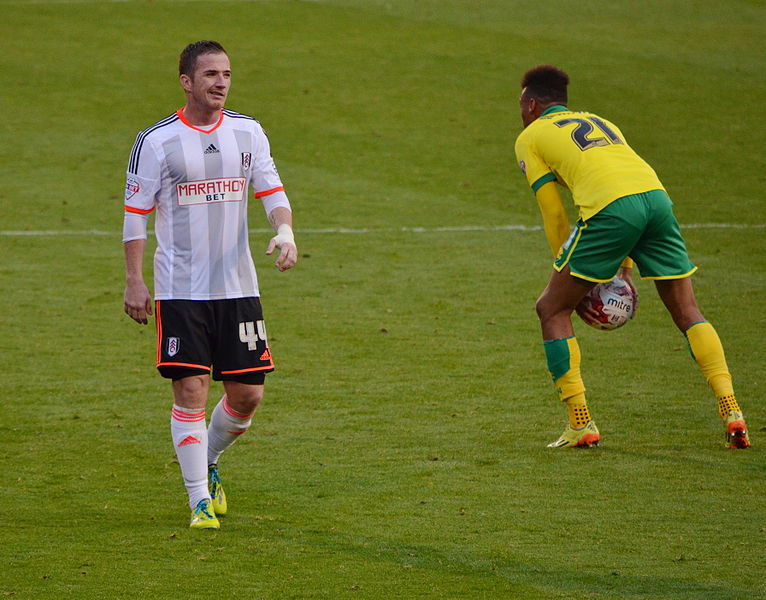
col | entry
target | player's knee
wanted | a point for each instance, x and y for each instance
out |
(247, 405)
(549, 312)
(191, 391)
(540, 307)
(545, 309)
(243, 398)
(254, 397)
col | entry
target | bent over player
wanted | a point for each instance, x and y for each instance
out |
(625, 215)
(194, 169)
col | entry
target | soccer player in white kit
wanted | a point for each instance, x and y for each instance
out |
(194, 169)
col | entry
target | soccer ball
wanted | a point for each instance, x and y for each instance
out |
(614, 303)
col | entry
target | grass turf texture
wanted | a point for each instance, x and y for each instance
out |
(400, 452)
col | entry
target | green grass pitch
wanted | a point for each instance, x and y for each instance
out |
(400, 452)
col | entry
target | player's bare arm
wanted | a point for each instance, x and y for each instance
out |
(138, 301)
(281, 220)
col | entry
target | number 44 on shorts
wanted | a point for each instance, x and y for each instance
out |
(250, 333)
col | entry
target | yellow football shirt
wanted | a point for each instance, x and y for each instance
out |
(586, 154)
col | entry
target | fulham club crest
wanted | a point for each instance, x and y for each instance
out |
(246, 160)
(174, 345)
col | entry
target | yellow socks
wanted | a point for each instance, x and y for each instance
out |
(563, 356)
(578, 411)
(726, 404)
(706, 348)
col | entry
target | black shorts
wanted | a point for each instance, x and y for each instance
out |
(224, 337)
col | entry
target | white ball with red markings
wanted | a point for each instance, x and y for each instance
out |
(614, 303)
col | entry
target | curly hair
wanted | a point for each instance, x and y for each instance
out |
(547, 83)
(188, 59)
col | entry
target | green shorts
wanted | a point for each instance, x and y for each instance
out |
(641, 226)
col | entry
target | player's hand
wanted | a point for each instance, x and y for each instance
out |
(587, 314)
(285, 241)
(626, 274)
(138, 302)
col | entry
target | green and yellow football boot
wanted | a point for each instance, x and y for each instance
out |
(216, 490)
(203, 516)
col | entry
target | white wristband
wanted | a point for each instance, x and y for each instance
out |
(285, 234)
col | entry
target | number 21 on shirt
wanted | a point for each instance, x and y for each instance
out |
(585, 127)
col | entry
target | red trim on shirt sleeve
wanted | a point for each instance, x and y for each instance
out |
(139, 211)
(269, 192)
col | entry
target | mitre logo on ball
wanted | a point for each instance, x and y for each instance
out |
(613, 302)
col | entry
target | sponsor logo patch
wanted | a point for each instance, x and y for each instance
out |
(523, 166)
(226, 189)
(132, 187)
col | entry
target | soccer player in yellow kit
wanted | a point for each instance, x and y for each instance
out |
(625, 215)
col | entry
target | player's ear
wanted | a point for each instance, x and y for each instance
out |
(186, 82)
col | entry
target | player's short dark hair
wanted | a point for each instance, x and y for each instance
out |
(188, 60)
(546, 83)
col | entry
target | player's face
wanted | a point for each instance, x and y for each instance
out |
(209, 86)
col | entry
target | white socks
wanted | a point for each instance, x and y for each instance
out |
(226, 425)
(198, 446)
(187, 428)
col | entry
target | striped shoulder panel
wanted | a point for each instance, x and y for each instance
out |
(236, 115)
(136, 152)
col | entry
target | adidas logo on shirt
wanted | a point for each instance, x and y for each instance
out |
(211, 149)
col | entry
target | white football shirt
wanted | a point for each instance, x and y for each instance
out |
(197, 180)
